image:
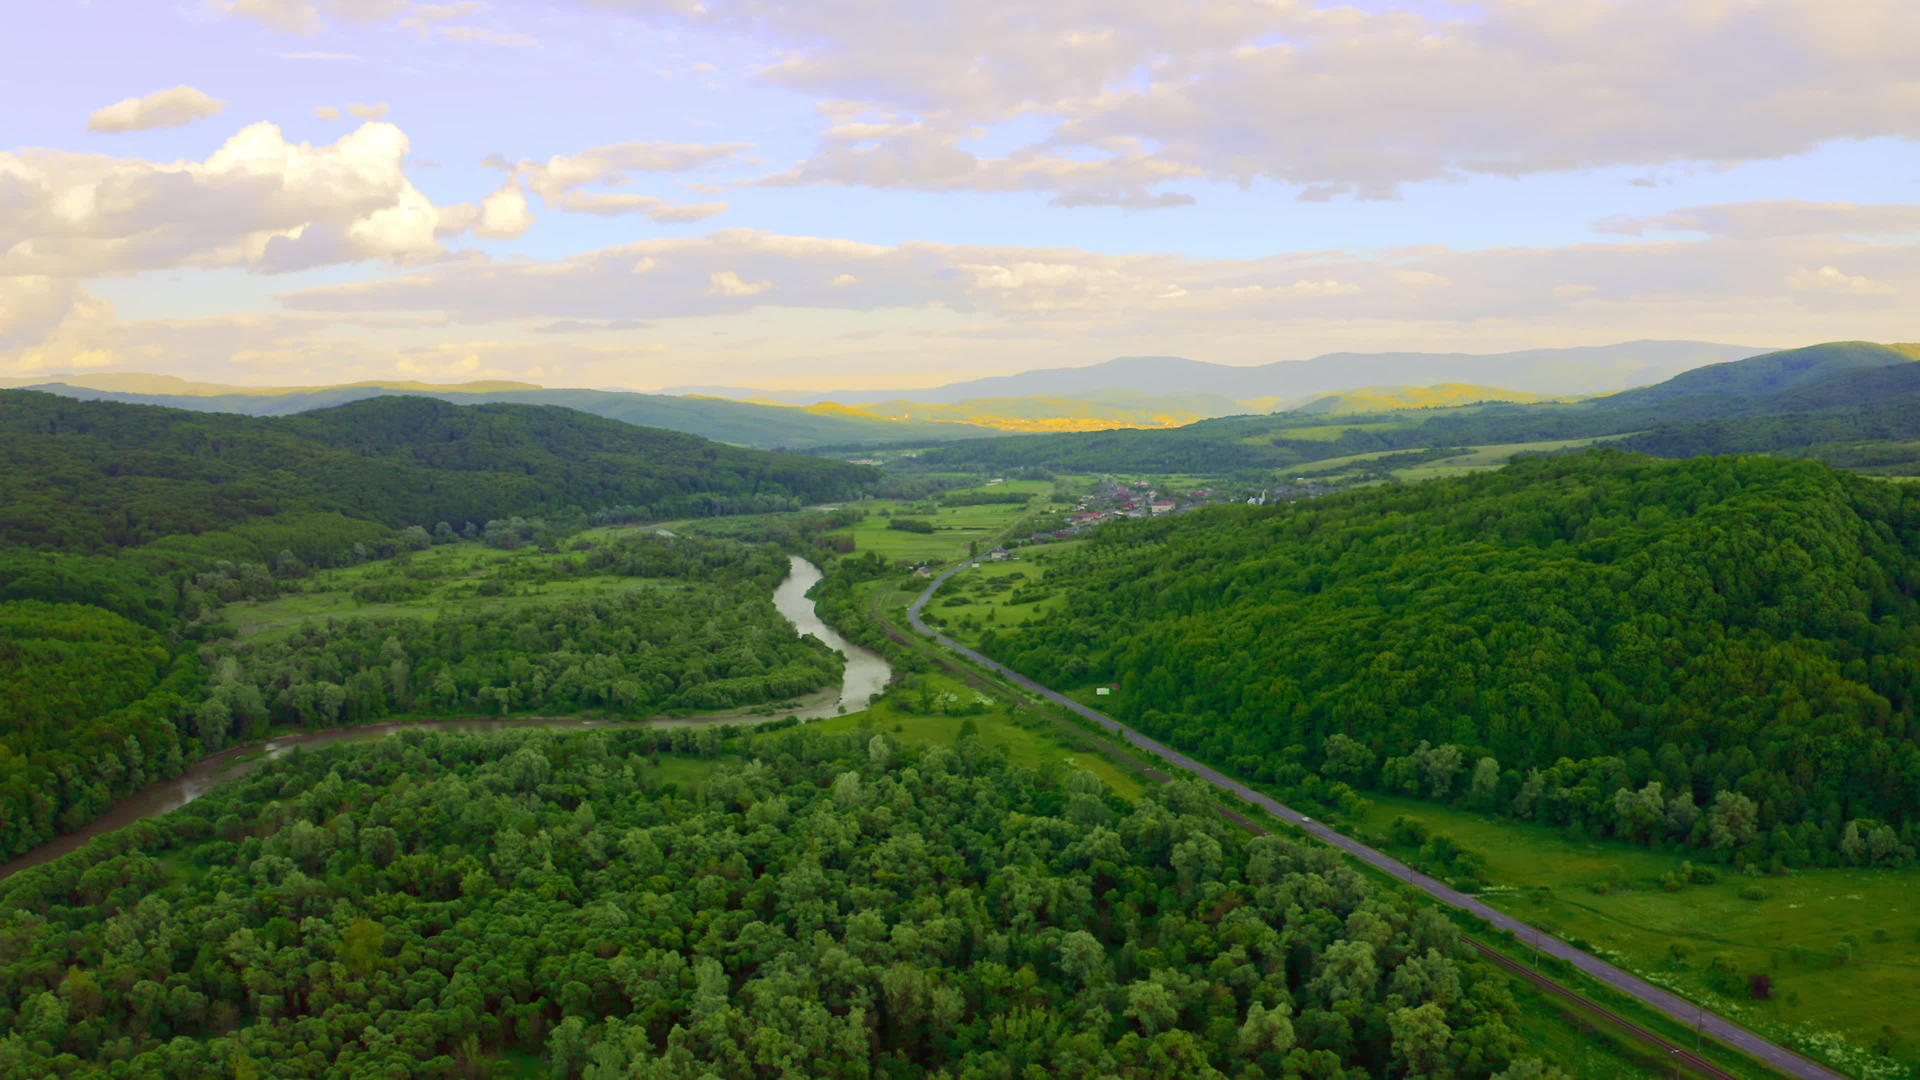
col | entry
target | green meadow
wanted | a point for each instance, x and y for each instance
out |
(955, 527)
(1835, 946)
(1483, 458)
(1000, 596)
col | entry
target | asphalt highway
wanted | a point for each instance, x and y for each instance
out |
(1788, 1062)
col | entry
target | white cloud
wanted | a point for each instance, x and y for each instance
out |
(1654, 287)
(309, 16)
(728, 283)
(31, 307)
(561, 180)
(504, 213)
(423, 19)
(369, 112)
(160, 109)
(1830, 279)
(1336, 100)
(326, 112)
(259, 201)
(928, 156)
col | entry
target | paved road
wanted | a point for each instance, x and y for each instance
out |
(1788, 1062)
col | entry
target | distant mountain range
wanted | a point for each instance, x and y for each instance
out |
(1852, 403)
(1594, 369)
(1127, 392)
(743, 423)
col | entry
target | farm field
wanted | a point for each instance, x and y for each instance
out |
(936, 707)
(1836, 944)
(1000, 596)
(1483, 458)
(955, 527)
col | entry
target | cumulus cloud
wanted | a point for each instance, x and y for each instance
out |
(369, 112)
(32, 306)
(325, 112)
(504, 213)
(160, 109)
(259, 201)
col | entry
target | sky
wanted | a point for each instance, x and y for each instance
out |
(854, 193)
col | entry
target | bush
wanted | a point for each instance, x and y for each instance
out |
(1752, 892)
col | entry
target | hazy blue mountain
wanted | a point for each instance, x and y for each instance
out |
(1594, 369)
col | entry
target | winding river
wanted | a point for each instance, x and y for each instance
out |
(866, 675)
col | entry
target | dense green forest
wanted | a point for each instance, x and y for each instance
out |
(1820, 401)
(819, 906)
(99, 705)
(701, 636)
(1722, 653)
(125, 529)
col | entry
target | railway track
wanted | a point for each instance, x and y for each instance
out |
(1680, 1054)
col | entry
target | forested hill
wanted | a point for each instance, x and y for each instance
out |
(742, 422)
(93, 476)
(1734, 642)
(1821, 401)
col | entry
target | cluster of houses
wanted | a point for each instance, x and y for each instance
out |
(1114, 500)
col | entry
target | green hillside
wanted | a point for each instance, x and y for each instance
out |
(1760, 377)
(1376, 399)
(1834, 401)
(742, 423)
(93, 476)
(1733, 641)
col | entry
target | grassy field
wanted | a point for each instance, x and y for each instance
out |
(911, 713)
(1706, 941)
(955, 527)
(1483, 458)
(1000, 595)
(463, 577)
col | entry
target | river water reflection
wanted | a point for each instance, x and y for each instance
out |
(866, 675)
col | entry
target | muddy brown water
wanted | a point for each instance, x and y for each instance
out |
(866, 675)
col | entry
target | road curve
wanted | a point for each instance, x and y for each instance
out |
(1680, 1009)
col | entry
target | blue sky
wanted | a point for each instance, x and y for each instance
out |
(639, 193)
